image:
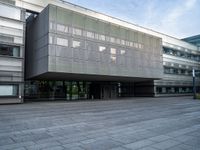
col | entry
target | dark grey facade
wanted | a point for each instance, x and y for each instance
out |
(66, 43)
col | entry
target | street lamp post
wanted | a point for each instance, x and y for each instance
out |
(194, 86)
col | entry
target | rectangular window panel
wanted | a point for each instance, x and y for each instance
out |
(113, 51)
(131, 44)
(90, 34)
(112, 39)
(76, 44)
(117, 41)
(62, 42)
(113, 58)
(10, 12)
(102, 48)
(122, 52)
(123, 42)
(9, 50)
(76, 31)
(50, 40)
(8, 90)
(102, 37)
(62, 28)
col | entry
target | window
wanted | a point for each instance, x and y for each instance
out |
(50, 40)
(76, 31)
(113, 51)
(62, 42)
(9, 50)
(10, 12)
(102, 48)
(122, 52)
(136, 45)
(113, 58)
(117, 41)
(113, 55)
(76, 44)
(8, 90)
(90, 34)
(112, 39)
(131, 44)
(62, 28)
(102, 37)
(123, 42)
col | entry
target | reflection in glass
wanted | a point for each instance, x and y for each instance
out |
(9, 50)
(102, 48)
(76, 44)
(8, 90)
(62, 42)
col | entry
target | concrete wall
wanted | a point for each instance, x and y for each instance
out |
(94, 55)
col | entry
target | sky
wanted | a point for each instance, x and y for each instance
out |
(177, 18)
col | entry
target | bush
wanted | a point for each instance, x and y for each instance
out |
(198, 95)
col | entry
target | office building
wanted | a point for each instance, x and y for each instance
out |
(75, 53)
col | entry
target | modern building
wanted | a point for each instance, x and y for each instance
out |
(12, 33)
(75, 53)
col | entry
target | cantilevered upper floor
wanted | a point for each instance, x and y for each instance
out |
(63, 44)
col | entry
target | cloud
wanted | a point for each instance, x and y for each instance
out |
(179, 10)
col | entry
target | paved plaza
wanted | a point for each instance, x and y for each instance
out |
(126, 124)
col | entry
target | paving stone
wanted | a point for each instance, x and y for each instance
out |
(170, 123)
(159, 138)
(166, 144)
(139, 144)
(101, 145)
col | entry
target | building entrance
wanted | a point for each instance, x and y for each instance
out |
(77, 90)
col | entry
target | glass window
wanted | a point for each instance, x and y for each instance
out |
(10, 12)
(131, 44)
(76, 31)
(112, 39)
(102, 37)
(102, 48)
(50, 40)
(8, 90)
(62, 42)
(76, 44)
(122, 52)
(90, 34)
(136, 45)
(123, 42)
(113, 58)
(9, 50)
(113, 51)
(62, 28)
(118, 41)
(127, 43)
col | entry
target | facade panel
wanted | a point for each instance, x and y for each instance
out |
(12, 31)
(80, 47)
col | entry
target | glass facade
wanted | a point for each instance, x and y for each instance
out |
(77, 90)
(181, 54)
(8, 90)
(173, 90)
(7, 50)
